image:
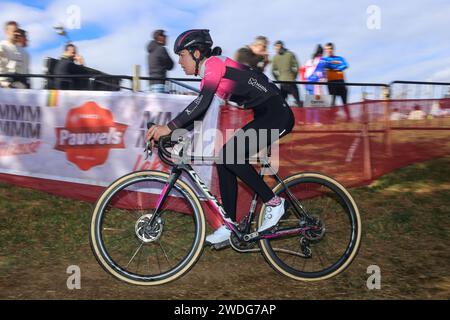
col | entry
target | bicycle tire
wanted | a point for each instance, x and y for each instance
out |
(112, 267)
(353, 245)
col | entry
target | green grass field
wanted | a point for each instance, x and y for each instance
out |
(406, 232)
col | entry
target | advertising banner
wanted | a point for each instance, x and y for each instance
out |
(85, 137)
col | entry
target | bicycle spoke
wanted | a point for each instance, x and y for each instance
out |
(304, 264)
(114, 230)
(327, 255)
(330, 246)
(139, 260)
(115, 239)
(134, 255)
(148, 262)
(157, 259)
(320, 257)
(165, 254)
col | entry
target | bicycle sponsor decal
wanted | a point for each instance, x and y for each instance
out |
(89, 134)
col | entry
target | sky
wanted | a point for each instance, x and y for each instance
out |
(381, 40)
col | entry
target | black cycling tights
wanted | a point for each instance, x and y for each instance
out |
(272, 114)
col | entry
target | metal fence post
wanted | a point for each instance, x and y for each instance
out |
(91, 83)
(136, 76)
(366, 139)
(387, 138)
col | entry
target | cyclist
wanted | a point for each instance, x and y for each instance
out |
(230, 80)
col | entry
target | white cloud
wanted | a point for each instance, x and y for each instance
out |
(440, 76)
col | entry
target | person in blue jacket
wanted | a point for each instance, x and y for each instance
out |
(335, 66)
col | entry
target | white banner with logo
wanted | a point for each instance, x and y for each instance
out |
(85, 137)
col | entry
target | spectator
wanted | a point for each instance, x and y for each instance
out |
(255, 55)
(22, 44)
(159, 61)
(335, 66)
(314, 71)
(417, 114)
(436, 110)
(10, 56)
(70, 63)
(396, 115)
(285, 68)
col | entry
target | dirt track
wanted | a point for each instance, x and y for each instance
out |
(229, 275)
(405, 232)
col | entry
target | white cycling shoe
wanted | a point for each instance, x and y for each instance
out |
(220, 237)
(272, 216)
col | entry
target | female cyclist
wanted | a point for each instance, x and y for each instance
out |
(230, 80)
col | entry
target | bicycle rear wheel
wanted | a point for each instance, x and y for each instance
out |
(325, 252)
(131, 249)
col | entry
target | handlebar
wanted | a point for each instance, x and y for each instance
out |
(162, 145)
(166, 155)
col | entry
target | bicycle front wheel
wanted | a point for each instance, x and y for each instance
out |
(136, 251)
(322, 205)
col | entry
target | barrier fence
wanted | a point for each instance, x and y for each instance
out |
(398, 89)
(355, 143)
(356, 151)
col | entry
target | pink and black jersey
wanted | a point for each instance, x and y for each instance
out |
(228, 80)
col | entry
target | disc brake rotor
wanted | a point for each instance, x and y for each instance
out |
(148, 233)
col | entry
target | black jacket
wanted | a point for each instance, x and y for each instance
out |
(159, 61)
(66, 66)
(246, 56)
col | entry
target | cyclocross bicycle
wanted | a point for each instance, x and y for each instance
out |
(148, 227)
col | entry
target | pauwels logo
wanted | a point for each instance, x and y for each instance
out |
(89, 133)
(253, 82)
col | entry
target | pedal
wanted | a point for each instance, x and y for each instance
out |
(220, 245)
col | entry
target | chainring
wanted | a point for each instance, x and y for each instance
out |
(242, 246)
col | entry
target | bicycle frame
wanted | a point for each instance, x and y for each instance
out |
(243, 235)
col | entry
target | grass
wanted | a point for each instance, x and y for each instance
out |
(406, 232)
(35, 225)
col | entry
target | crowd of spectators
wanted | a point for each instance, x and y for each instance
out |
(15, 60)
(417, 113)
(323, 66)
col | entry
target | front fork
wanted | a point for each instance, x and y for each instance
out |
(174, 175)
